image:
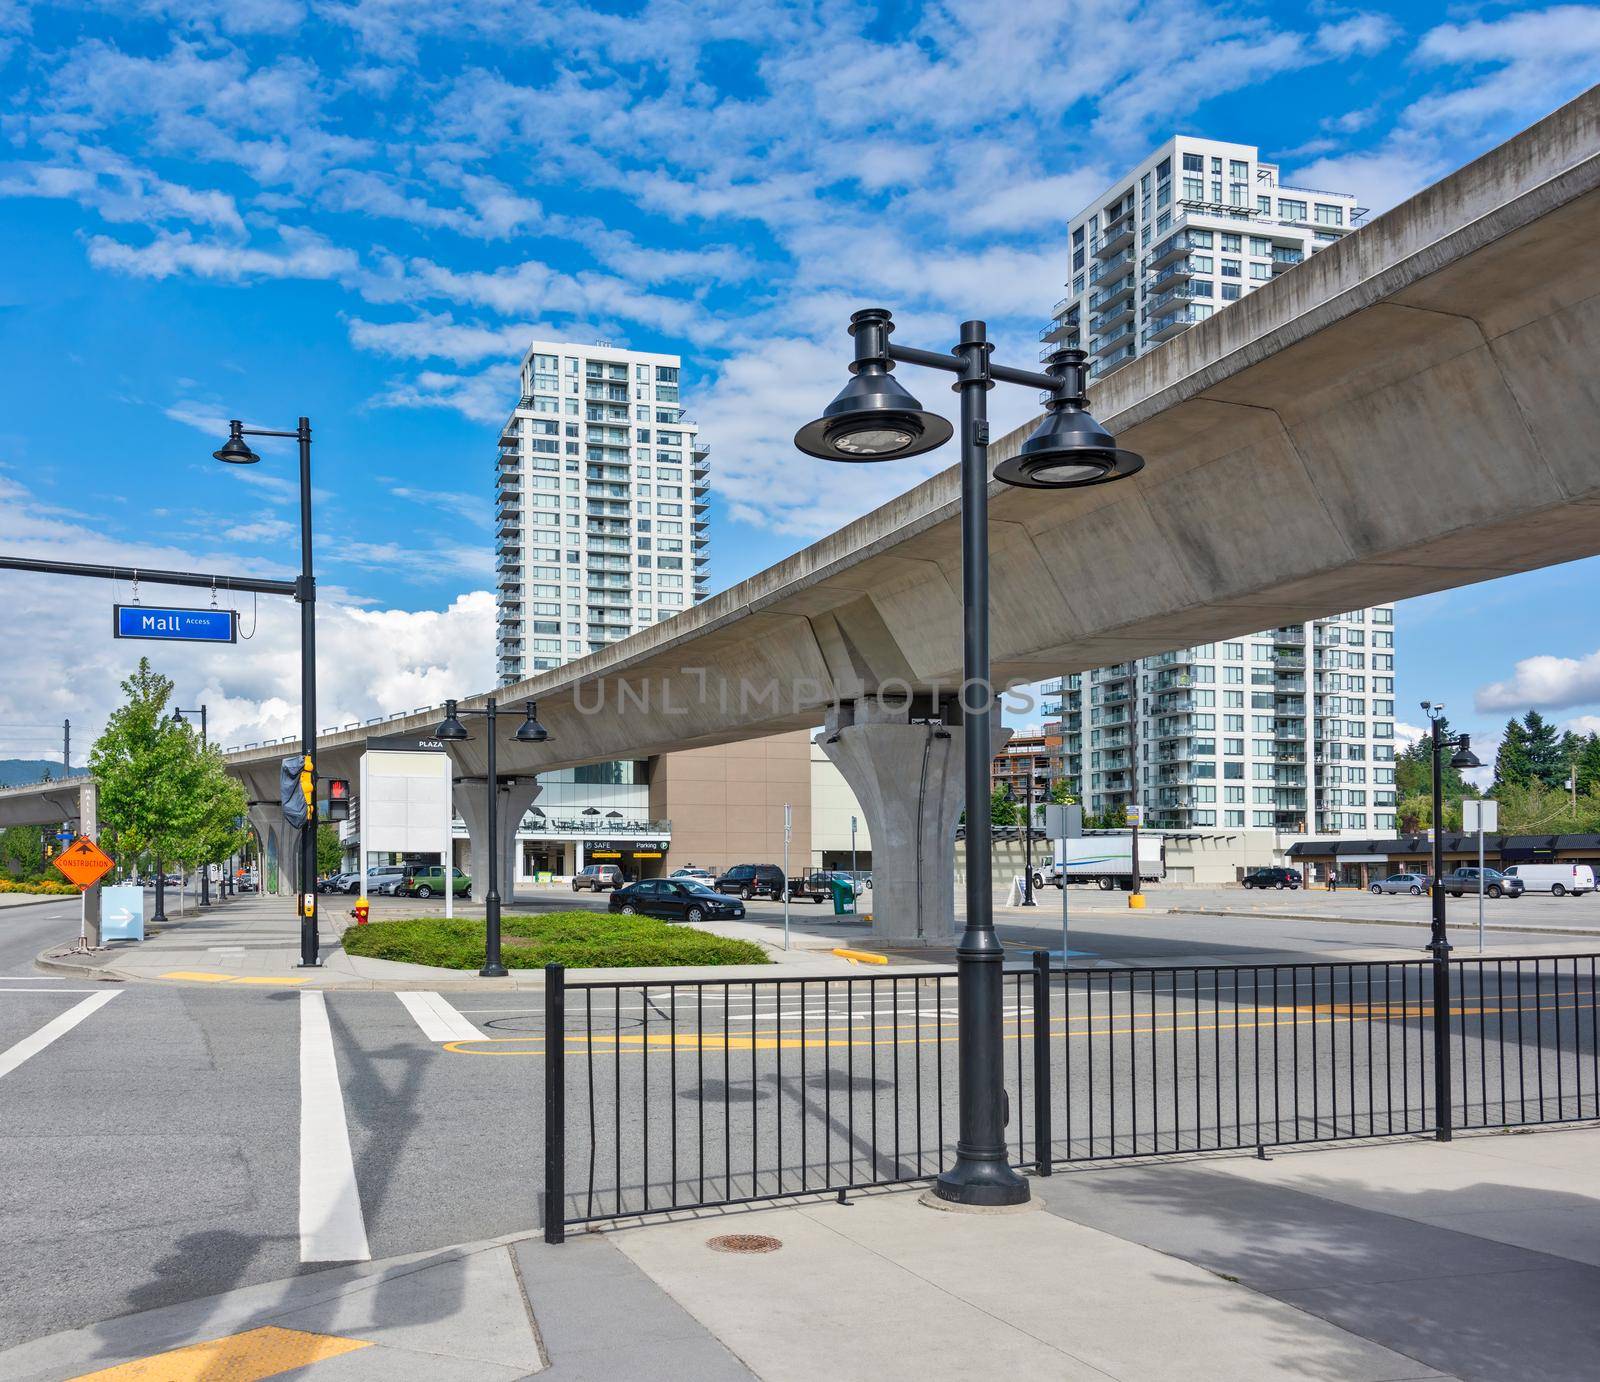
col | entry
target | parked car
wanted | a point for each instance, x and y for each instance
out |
(1460, 882)
(1414, 883)
(752, 880)
(598, 878)
(385, 879)
(246, 885)
(689, 873)
(427, 880)
(859, 885)
(674, 899)
(340, 883)
(1279, 878)
(1556, 879)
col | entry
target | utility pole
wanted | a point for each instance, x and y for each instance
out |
(66, 748)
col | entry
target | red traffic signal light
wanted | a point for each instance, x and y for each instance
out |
(338, 799)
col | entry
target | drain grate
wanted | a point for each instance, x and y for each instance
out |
(744, 1242)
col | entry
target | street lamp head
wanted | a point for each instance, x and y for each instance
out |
(530, 731)
(236, 450)
(873, 418)
(1464, 757)
(450, 727)
(1068, 449)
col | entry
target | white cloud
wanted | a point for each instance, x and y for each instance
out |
(1544, 680)
(1406, 735)
(120, 191)
(303, 254)
(440, 336)
(473, 508)
(1361, 35)
(486, 397)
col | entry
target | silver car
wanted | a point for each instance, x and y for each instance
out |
(1414, 883)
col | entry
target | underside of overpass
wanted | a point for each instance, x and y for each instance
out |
(1414, 408)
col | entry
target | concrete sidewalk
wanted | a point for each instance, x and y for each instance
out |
(256, 940)
(1477, 1259)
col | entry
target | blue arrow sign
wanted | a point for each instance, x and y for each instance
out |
(174, 625)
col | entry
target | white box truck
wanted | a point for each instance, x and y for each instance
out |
(1108, 861)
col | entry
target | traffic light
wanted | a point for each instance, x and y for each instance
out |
(338, 799)
(290, 795)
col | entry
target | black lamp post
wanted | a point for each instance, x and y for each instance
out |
(1438, 943)
(875, 419)
(236, 451)
(205, 869)
(530, 731)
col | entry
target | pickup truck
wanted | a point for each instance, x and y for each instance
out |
(1461, 882)
(815, 886)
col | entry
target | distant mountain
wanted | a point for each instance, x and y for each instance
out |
(18, 772)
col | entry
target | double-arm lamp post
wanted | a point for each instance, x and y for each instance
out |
(1438, 943)
(530, 731)
(205, 868)
(236, 451)
(875, 419)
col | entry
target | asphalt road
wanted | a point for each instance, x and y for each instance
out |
(162, 1143)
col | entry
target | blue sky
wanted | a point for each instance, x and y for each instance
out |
(363, 209)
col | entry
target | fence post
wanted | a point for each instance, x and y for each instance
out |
(555, 1104)
(1444, 1118)
(1042, 1151)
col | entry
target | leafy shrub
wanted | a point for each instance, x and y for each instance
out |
(579, 940)
(47, 886)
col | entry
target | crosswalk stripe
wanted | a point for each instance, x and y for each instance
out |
(438, 1020)
(59, 1026)
(331, 1225)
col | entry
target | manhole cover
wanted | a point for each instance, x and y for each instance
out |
(744, 1242)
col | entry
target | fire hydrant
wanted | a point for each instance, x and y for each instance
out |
(360, 910)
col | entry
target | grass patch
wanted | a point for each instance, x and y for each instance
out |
(579, 940)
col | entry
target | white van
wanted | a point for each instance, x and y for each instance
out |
(1556, 879)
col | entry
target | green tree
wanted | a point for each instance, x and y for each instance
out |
(22, 851)
(1002, 809)
(1533, 809)
(1413, 783)
(1061, 793)
(162, 799)
(1415, 813)
(1588, 764)
(1544, 750)
(1512, 764)
(330, 853)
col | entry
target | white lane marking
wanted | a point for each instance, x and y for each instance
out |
(331, 1226)
(113, 993)
(438, 1020)
(12, 1057)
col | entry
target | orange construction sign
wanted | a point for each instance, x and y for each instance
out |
(84, 862)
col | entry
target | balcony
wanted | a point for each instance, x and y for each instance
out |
(1179, 271)
(1120, 339)
(1291, 636)
(1180, 293)
(1115, 316)
(1108, 269)
(1174, 246)
(1174, 324)
(1122, 288)
(1285, 259)
(1100, 368)
(1061, 329)
(1117, 235)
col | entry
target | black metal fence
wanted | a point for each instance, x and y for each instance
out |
(724, 1092)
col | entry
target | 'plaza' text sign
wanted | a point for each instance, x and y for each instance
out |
(175, 625)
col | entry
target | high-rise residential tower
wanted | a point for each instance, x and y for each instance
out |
(601, 491)
(1196, 225)
(1289, 729)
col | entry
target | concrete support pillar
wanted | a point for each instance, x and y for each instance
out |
(908, 778)
(89, 825)
(517, 794)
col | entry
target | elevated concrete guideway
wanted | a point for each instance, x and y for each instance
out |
(1414, 408)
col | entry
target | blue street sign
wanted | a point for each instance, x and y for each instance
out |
(175, 625)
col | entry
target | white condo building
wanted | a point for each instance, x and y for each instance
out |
(1291, 729)
(601, 492)
(1197, 225)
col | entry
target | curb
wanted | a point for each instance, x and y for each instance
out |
(38, 901)
(866, 957)
(1517, 927)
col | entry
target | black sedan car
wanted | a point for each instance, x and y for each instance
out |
(675, 899)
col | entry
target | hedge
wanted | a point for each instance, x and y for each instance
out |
(579, 940)
(47, 886)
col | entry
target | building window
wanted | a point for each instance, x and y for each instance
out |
(1193, 163)
(1231, 241)
(1264, 205)
(1231, 268)
(1230, 293)
(1291, 210)
(1329, 215)
(1194, 189)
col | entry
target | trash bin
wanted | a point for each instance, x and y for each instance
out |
(844, 897)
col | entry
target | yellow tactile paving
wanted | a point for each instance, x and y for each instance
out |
(206, 976)
(248, 1357)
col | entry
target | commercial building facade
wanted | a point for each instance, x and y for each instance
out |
(601, 493)
(1025, 758)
